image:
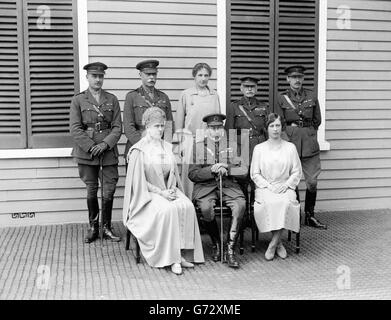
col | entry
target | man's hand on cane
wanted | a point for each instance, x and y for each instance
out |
(220, 168)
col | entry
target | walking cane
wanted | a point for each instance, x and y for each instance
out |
(101, 198)
(221, 217)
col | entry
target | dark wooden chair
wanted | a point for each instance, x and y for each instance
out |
(297, 245)
(127, 245)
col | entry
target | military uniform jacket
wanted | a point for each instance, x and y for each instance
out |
(306, 115)
(83, 114)
(200, 172)
(257, 111)
(136, 102)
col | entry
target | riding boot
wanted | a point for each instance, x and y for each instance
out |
(230, 257)
(233, 237)
(213, 231)
(93, 218)
(309, 206)
(107, 208)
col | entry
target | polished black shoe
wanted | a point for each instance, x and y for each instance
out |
(312, 222)
(109, 235)
(92, 235)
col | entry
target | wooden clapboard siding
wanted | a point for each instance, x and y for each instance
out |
(49, 187)
(357, 170)
(177, 33)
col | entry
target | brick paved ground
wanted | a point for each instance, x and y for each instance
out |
(359, 240)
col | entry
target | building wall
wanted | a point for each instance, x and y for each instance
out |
(179, 33)
(357, 170)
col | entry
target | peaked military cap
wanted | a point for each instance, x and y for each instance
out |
(95, 68)
(214, 119)
(295, 70)
(147, 65)
(249, 80)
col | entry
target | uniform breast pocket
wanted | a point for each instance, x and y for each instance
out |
(138, 113)
(260, 115)
(309, 110)
(240, 121)
(108, 113)
(88, 114)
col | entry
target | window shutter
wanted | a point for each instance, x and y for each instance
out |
(12, 106)
(296, 42)
(251, 44)
(264, 37)
(51, 70)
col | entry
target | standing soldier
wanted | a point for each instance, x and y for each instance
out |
(139, 100)
(301, 111)
(248, 113)
(213, 158)
(95, 125)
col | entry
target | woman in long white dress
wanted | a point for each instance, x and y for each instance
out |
(276, 172)
(155, 208)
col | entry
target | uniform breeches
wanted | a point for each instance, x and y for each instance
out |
(311, 169)
(90, 175)
(237, 205)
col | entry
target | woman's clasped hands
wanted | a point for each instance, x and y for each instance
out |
(278, 188)
(169, 194)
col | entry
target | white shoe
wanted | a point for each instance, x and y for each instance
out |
(270, 252)
(176, 268)
(281, 251)
(186, 264)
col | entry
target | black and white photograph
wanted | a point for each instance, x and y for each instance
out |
(203, 152)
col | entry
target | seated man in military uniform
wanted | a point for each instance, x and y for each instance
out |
(214, 158)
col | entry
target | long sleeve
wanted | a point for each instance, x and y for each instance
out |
(229, 122)
(199, 173)
(255, 172)
(130, 130)
(76, 127)
(296, 171)
(317, 116)
(116, 125)
(153, 188)
(181, 112)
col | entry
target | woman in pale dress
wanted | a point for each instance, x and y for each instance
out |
(194, 104)
(276, 172)
(155, 209)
